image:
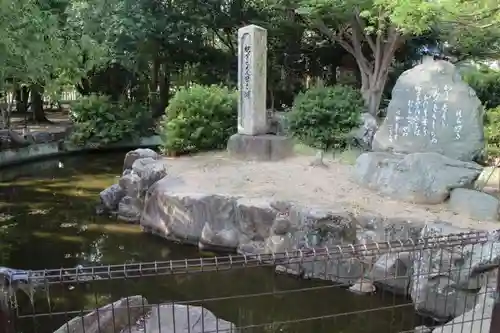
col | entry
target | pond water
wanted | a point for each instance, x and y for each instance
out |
(47, 220)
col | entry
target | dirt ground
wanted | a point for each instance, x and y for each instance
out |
(294, 179)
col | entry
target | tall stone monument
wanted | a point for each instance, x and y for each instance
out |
(252, 140)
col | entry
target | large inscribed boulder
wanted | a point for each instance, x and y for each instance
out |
(433, 110)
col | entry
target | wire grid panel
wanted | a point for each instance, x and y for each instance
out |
(242, 293)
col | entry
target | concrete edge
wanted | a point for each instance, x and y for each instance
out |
(42, 151)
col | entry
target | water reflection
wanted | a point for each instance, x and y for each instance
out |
(47, 220)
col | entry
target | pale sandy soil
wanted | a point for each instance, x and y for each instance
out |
(294, 179)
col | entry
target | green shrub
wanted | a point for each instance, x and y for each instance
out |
(486, 83)
(323, 117)
(492, 133)
(99, 121)
(199, 118)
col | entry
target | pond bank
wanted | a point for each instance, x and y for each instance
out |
(39, 151)
(48, 221)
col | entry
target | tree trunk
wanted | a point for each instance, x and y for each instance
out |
(37, 104)
(164, 92)
(372, 94)
(22, 99)
(153, 85)
(373, 72)
(83, 87)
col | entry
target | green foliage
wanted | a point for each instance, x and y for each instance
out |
(323, 117)
(30, 42)
(486, 83)
(99, 121)
(492, 132)
(199, 118)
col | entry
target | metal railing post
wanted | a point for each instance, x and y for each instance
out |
(495, 315)
(5, 323)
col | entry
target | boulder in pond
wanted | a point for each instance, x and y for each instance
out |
(423, 178)
(111, 196)
(110, 318)
(476, 320)
(135, 182)
(149, 172)
(136, 154)
(433, 110)
(390, 271)
(445, 280)
(129, 209)
(393, 272)
(180, 318)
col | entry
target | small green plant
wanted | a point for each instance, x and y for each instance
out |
(100, 121)
(199, 118)
(486, 83)
(492, 133)
(323, 117)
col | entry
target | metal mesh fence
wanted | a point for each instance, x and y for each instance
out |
(445, 284)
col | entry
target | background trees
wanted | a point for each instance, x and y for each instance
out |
(143, 51)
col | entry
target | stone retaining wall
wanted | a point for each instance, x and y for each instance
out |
(39, 151)
(442, 283)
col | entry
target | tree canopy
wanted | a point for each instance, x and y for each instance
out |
(143, 49)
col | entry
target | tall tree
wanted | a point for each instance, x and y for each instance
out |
(31, 46)
(373, 30)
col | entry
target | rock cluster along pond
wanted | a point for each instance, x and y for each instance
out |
(425, 149)
(146, 194)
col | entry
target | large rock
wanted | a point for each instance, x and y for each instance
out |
(433, 110)
(445, 280)
(424, 178)
(134, 315)
(180, 318)
(135, 182)
(183, 215)
(391, 271)
(139, 153)
(111, 318)
(476, 204)
(149, 172)
(255, 218)
(129, 209)
(314, 228)
(476, 320)
(363, 135)
(477, 261)
(253, 226)
(111, 196)
(208, 220)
